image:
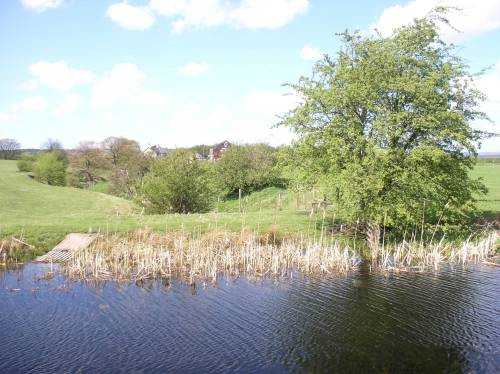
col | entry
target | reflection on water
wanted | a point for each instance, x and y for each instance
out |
(444, 322)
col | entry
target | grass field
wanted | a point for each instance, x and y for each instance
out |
(43, 215)
(490, 173)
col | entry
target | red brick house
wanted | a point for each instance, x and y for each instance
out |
(217, 151)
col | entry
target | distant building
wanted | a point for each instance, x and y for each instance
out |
(156, 151)
(218, 150)
(200, 157)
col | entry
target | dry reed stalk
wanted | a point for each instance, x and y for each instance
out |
(416, 255)
(144, 255)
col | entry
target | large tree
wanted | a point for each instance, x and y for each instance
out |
(121, 150)
(9, 148)
(385, 127)
(128, 165)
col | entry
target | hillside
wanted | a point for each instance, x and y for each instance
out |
(43, 214)
(25, 201)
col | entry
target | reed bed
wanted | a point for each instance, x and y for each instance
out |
(418, 256)
(143, 255)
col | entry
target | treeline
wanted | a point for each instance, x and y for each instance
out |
(176, 183)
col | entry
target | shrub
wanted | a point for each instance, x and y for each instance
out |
(25, 163)
(179, 184)
(50, 169)
(263, 171)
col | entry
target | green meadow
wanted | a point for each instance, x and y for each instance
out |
(490, 174)
(42, 215)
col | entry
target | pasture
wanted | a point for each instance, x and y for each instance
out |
(42, 215)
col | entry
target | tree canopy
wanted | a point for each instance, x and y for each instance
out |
(9, 148)
(385, 127)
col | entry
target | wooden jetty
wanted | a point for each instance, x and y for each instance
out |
(71, 244)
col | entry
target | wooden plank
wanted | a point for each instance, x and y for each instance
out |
(71, 244)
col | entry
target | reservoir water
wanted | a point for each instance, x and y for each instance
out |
(448, 321)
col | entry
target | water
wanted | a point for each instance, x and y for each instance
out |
(444, 322)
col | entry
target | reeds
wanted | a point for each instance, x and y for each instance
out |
(417, 256)
(11, 248)
(145, 254)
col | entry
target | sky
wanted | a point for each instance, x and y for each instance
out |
(186, 72)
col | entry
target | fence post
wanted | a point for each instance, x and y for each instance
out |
(239, 198)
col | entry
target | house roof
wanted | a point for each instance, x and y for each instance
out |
(158, 150)
(222, 145)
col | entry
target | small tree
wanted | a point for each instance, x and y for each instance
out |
(49, 169)
(55, 146)
(263, 172)
(179, 183)
(248, 167)
(88, 164)
(120, 151)
(128, 165)
(385, 128)
(52, 145)
(9, 148)
(234, 168)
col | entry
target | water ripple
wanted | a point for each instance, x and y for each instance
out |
(444, 321)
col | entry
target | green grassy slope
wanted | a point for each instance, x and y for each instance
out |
(266, 199)
(24, 201)
(43, 214)
(490, 174)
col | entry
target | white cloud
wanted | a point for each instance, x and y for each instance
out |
(7, 117)
(124, 84)
(270, 103)
(41, 5)
(30, 104)
(131, 17)
(489, 84)
(250, 14)
(248, 118)
(193, 69)
(310, 53)
(264, 109)
(59, 76)
(255, 14)
(190, 14)
(30, 85)
(68, 105)
(473, 18)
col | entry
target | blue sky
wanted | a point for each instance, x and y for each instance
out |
(184, 72)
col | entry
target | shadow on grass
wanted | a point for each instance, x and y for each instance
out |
(488, 217)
